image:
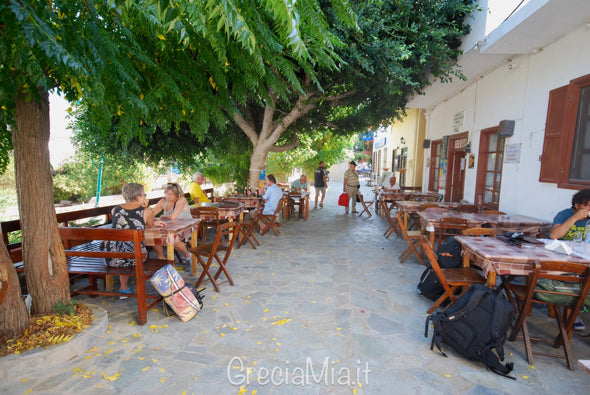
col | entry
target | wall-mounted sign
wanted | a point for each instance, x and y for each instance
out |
(512, 153)
(380, 142)
(458, 120)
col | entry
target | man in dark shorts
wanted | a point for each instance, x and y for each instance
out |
(320, 184)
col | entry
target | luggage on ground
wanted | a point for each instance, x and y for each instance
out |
(475, 326)
(179, 296)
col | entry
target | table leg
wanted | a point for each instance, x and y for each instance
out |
(432, 238)
(491, 280)
(306, 203)
(466, 260)
(170, 252)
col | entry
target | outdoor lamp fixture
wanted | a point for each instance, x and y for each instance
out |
(402, 140)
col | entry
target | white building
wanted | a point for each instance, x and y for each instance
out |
(527, 64)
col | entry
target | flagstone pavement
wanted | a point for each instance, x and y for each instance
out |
(324, 308)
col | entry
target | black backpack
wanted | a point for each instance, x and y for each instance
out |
(429, 285)
(473, 326)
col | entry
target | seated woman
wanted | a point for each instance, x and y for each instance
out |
(175, 206)
(133, 214)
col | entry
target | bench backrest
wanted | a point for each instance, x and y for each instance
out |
(15, 249)
(78, 235)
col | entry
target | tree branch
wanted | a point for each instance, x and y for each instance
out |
(289, 146)
(246, 127)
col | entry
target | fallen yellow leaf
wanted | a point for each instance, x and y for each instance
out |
(111, 378)
(281, 322)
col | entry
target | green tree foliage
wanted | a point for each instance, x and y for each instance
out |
(313, 148)
(77, 179)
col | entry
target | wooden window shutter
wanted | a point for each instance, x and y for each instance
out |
(550, 159)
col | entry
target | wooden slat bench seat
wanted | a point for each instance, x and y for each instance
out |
(90, 259)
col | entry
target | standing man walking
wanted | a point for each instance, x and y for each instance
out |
(351, 185)
(320, 184)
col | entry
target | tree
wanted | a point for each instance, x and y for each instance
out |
(114, 55)
(335, 70)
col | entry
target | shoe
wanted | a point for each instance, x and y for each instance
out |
(346, 212)
(315, 206)
(355, 212)
(579, 325)
(186, 263)
(321, 204)
(124, 291)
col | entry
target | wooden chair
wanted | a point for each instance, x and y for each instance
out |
(247, 228)
(490, 232)
(493, 212)
(450, 226)
(271, 220)
(224, 242)
(393, 221)
(366, 205)
(467, 208)
(210, 219)
(294, 200)
(565, 314)
(450, 279)
(413, 239)
(209, 193)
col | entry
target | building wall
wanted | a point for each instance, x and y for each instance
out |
(412, 129)
(517, 90)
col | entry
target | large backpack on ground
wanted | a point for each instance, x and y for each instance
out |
(475, 326)
(449, 256)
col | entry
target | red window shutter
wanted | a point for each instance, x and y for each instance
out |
(550, 159)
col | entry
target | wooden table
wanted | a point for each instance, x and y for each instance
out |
(227, 209)
(497, 257)
(304, 200)
(250, 202)
(430, 220)
(411, 207)
(175, 230)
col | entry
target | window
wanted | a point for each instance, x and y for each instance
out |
(489, 169)
(568, 127)
(435, 152)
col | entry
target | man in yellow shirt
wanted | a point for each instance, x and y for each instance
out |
(195, 189)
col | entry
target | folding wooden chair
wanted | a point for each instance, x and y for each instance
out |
(413, 239)
(450, 226)
(489, 232)
(247, 228)
(210, 219)
(270, 220)
(224, 242)
(366, 205)
(450, 279)
(565, 301)
(394, 226)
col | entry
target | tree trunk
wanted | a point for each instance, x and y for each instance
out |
(257, 162)
(14, 318)
(43, 253)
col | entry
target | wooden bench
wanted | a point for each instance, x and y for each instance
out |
(90, 259)
(63, 219)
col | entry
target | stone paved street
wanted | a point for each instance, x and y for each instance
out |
(325, 308)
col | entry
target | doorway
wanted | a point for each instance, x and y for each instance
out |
(456, 169)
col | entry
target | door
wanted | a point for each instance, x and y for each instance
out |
(456, 169)
(457, 175)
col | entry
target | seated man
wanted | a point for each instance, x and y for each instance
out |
(195, 189)
(569, 221)
(272, 197)
(300, 185)
(393, 186)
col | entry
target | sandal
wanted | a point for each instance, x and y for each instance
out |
(124, 291)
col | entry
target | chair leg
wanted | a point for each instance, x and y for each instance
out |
(223, 268)
(206, 273)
